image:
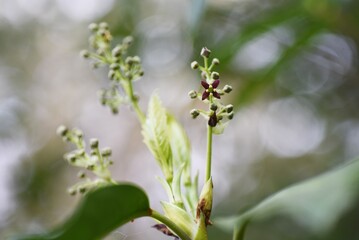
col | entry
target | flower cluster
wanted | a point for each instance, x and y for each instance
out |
(97, 161)
(123, 69)
(211, 93)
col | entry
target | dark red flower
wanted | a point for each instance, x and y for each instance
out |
(210, 89)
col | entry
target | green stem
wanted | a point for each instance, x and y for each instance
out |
(134, 102)
(170, 224)
(209, 152)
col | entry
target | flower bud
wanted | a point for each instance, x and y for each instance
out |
(194, 65)
(128, 40)
(72, 191)
(230, 116)
(227, 89)
(93, 143)
(229, 108)
(104, 25)
(141, 73)
(215, 61)
(70, 158)
(93, 27)
(85, 54)
(111, 74)
(106, 152)
(95, 65)
(205, 202)
(78, 132)
(205, 52)
(62, 130)
(215, 75)
(117, 51)
(129, 60)
(81, 174)
(90, 167)
(194, 113)
(114, 110)
(82, 189)
(114, 66)
(192, 94)
(136, 59)
(213, 107)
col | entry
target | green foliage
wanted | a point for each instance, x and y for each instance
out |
(100, 212)
(156, 136)
(316, 204)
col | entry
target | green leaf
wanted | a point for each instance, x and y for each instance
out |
(181, 147)
(156, 137)
(316, 204)
(100, 212)
(180, 217)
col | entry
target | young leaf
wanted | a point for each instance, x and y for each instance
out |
(181, 148)
(155, 135)
(100, 212)
(179, 216)
(316, 203)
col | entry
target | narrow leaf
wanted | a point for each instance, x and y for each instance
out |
(99, 213)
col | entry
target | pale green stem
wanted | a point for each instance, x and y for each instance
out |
(141, 116)
(170, 224)
(209, 152)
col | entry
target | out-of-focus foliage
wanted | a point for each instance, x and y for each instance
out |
(293, 65)
(316, 204)
(100, 212)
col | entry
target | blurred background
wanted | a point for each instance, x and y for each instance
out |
(292, 63)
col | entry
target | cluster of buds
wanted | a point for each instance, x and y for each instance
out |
(122, 69)
(211, 93)
(96, 161)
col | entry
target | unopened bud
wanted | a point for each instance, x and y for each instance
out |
(128, 40)
(93, 143)
(205, 52)
(72, 191)
(215, 75)
(194, 65)
(227, 89)
(85, 54)
(114, 110)
(129, 60)
(78, 132)
(214, 107)
(111, 74)
(93, 27)
(106, 152)
(215, 61)
(90, 167)
(114, 66)
(194, 113)
(192, 94)
(82, 189)
(141, 73)
(205, 202)
(136, 59)
(230, 116)
(62, 130)
(81, 174)
(71, 158)
(117, 51)
(229, 108)
(95, 65)
(104, 25)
